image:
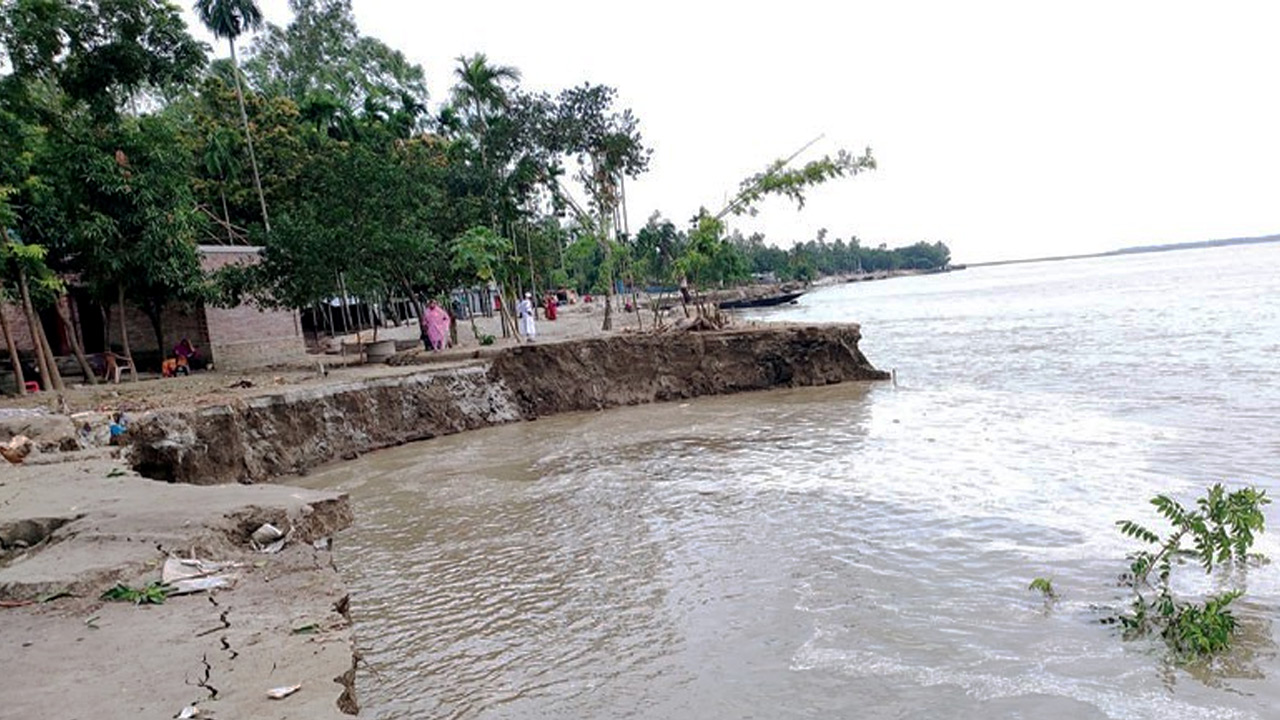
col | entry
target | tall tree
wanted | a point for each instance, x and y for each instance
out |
(481, 87)
(113, 200)
(322, 59)
(230, 19)
(607, 147)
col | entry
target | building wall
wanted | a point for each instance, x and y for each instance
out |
(236, 338)
(248, 336)
(17, 322)
(177, 322)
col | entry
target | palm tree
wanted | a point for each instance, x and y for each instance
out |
(480, 86)
(230, 19)
(479, 90)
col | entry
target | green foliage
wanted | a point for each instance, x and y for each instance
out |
(1221, 530)
(794, 183)
(481, 254)
(322, 61)
(818, 257)
(1045, 587)
(486, 339)
(229, 18)
(154, 593)
(707, 258)
(98, 54)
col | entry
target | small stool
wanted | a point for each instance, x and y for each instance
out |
(32, 386)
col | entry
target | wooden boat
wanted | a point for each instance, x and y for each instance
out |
(764, 301)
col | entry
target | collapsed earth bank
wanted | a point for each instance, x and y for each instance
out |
(257, 439)
(71, 528)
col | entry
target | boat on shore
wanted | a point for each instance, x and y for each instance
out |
(762, 301)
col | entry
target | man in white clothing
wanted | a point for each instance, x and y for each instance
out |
(528, 315)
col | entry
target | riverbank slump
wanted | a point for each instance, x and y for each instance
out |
(287, 433)
(78, 522)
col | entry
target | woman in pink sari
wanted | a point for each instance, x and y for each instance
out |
(435, 326)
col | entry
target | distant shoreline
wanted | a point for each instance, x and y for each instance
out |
(1138, 249)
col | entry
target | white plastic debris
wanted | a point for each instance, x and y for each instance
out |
(188, 712)
(191, 575)
(266, 534)
(195, 585)
(281, 693)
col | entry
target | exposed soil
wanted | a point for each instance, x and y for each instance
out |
(76, 517)
(259, 438)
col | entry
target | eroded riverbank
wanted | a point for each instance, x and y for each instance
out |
(285, 620)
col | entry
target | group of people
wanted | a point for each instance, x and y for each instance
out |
(435, 321)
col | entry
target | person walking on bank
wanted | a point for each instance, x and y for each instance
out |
(435, 327)
(527, 313)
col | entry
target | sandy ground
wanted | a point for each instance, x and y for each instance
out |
(76, 656)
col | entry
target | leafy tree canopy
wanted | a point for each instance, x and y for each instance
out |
(321, 58)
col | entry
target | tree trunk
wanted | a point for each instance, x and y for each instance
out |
(20, 382)
(346, 307)
(89, 376)
(153, 309)
(49, 380)
(124, 333)
(248, 137)
(226, 214)
(54, 373)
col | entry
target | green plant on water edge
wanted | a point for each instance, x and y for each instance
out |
(153, 593)
(1045, 586)
(1221, 530)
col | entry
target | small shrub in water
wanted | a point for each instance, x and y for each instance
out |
(1045, 586)
(1221, 530)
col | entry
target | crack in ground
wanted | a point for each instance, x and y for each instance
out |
(204, 682)
(225, 625)
(227, 646)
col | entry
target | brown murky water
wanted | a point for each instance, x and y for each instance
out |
(855, 551)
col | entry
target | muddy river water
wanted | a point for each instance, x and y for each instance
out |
(858, 551)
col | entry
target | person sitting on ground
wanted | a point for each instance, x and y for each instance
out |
(188, 355)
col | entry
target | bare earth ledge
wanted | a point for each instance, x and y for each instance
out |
(82, 525)
(289, 432)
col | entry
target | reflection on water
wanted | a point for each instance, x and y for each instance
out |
(851, 551)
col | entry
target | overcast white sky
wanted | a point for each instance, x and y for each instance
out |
(1005, 129)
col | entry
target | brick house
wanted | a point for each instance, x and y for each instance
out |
(232, 339)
